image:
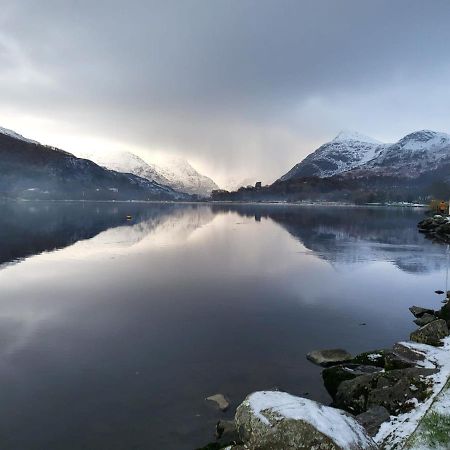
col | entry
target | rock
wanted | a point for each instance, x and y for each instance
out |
(431, 333)
(394, 361)
(395, 390)
(226, 432)
(418, 311)
(372, 419)
(327, 358)
(426, 318)
(334, 376)
(273, 420)
(428, 224)
(408, 353)
(444, 312)
(220, 400)
(219, 446)
(374, 358)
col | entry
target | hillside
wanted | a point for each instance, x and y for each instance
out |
(31, 170)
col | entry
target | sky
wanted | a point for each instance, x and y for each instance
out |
(241, 88)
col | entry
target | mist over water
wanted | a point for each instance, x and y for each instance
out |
(112, 332)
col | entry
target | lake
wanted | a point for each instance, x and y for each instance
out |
(113, 331)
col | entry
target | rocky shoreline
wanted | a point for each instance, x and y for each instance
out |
(436, 228)
(379, 397)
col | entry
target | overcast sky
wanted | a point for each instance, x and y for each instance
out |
(242, 88)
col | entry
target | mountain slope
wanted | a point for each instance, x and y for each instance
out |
(359, 170)
(414, 155)
(31, 170)
(182, 176)
(345, 152)
(176, 172)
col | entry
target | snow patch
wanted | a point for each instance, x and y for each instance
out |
(331, 422)
(393, 434)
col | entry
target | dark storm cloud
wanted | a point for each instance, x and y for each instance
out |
(231, 83)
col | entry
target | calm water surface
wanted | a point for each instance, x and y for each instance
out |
(112, 332)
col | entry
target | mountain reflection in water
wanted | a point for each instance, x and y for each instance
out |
(113, 331)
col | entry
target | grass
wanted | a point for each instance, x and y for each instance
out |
(436, 429)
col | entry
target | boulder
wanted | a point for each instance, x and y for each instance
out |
(372, 419)
(272, 420)
(220, 401)
(428, 224)
(418, 311)
(406, 352)
(444, 312)
(374, 358)
(334, 376)
(329, 357)
(226, 432)
(426, 318)
(396, 390)
(431, 333)
(402, 357)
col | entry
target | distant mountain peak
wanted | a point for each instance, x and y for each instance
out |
(425, 136)
(349, 135)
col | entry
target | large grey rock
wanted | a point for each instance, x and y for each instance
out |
(273, 420)
(402, 350)
(329, 357)
(425, 319)
(395, 390)
(334, 376)
(372, 419)
(431, 333)
(418, 311)
(373, 358)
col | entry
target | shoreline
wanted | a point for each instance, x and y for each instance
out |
(404, 390)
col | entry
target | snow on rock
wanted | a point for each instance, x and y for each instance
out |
(272, 419)
(393, 434)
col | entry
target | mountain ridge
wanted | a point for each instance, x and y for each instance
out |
(31, 170)
(177, 173)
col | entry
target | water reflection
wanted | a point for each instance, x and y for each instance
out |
(353, 235)
(113, 332)
(28, 228)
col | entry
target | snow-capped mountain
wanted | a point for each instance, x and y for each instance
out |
(32, 170)
(354, 155)
(176, 172)
(126, 162)
(345, 152)
(183, 177)
(412, 156)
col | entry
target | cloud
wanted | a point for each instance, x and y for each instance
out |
(244, 86)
